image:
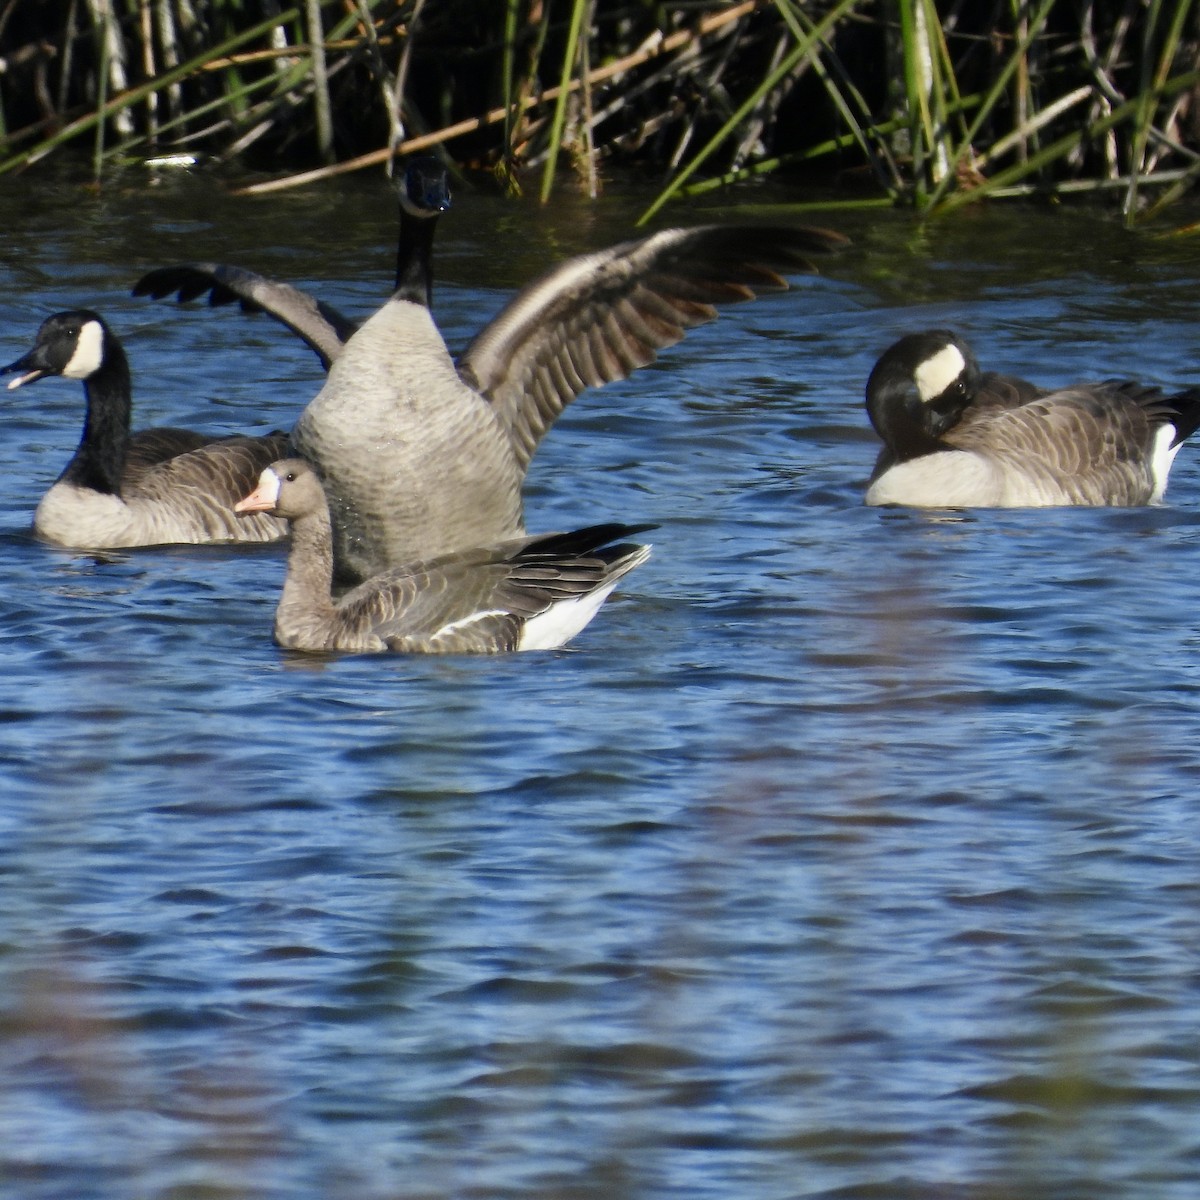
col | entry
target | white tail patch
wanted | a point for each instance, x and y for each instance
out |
(1162, 455)
(562, 621)
(88, 354)
(938, 372)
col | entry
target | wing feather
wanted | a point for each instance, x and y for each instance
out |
(319, 325)
(1090, 443)
(624, 304)
(478, 601)
(204, 483)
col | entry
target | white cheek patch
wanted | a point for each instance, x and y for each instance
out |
(89, 352)
(936, 374)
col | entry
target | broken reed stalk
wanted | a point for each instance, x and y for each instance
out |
(613, 70)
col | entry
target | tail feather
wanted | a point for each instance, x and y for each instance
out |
(1186, 407)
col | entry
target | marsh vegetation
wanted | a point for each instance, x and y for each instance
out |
(913, 102)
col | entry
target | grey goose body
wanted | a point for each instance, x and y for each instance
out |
(124, 489)
(529, 593)
(422, 452)
(957, 437)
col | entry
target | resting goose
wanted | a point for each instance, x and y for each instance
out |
(145, 489)
(958, 437)
(532, 593)
(422, 453)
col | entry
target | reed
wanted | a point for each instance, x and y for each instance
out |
(934, 104)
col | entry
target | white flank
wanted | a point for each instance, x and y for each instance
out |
(73, 516)
(562, 621)
(952, 479)
(89, 352)
(482, 615)
(1162, 455)
(937, 373)
(449, 629)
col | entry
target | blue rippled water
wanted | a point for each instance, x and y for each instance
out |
(847, 853)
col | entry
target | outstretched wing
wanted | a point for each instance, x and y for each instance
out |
(598, 317)
(318, 324)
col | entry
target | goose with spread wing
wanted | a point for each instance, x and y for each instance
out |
(422, 453)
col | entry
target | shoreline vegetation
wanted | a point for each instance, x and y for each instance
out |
(900, 102)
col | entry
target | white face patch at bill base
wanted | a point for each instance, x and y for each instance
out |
(264, 497)
(268, 486)
(89, 352)
(938, 372)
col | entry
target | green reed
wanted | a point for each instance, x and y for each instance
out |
(1037, 97)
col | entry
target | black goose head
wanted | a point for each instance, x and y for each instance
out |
(424, 195)
(424, 187)
(919, 389)
(73, 344)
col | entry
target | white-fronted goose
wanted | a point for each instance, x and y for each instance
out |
(532, 593)
(150, 488)
(421, 453)
(956, 437)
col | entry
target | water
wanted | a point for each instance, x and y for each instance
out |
(847, 854)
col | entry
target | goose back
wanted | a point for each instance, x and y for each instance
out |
(1101, 444)
(184, 498)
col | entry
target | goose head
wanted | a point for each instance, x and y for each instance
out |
(289, 488)
(919, 389)
(424, 188)
(72, 344)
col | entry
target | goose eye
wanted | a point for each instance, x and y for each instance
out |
(290, 477)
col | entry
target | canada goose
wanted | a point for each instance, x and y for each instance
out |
(532, 593)
(151, 488)
(958, 437)
(423, 454)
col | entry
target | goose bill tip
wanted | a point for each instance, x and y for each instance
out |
(21, 380)
(253, 503)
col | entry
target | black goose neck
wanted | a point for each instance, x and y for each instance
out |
(414, 259)
(99, 460)
(914, 442)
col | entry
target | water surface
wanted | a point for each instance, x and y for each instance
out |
(847, 853)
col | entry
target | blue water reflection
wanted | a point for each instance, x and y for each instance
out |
(848, 853)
